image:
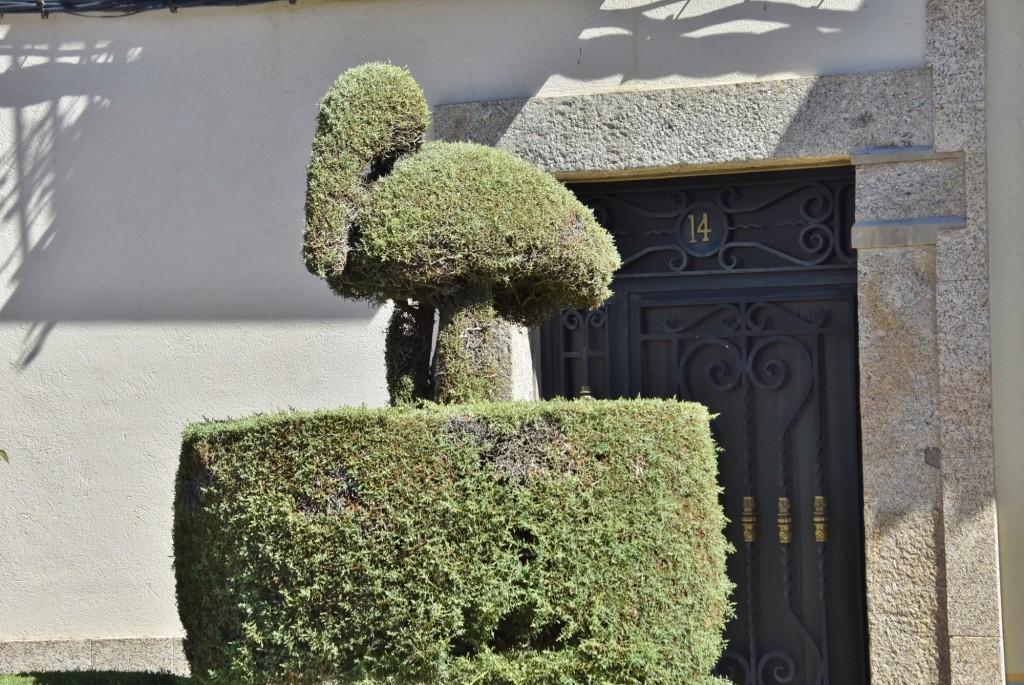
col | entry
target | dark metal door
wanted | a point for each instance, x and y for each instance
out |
(739, 292)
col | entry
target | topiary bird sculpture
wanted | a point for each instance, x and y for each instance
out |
(470, 232)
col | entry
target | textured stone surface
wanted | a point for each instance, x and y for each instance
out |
(902, 232)
(956, 49)
(905, 601)
(960, 126)
(972, 555)
(961, 255)
(134, 654)
(910, 190)
(968, 469)
(179, 664)
(902, 487)
(45, 655)
(965, 256)
(956, 54)
(976, 661)
(965, 371)
(524, 370)
(804, 119)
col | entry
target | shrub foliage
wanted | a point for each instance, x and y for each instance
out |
(442, 227)
(488, 544)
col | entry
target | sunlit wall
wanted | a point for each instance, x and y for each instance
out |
(151, 190)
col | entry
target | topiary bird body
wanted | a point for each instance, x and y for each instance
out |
(472, 232)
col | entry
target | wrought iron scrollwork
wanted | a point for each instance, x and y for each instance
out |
(769, 348)
(769, 356)
(584, 341)
(784, 225)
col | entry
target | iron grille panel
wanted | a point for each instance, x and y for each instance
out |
(759, 324)
(737, 224)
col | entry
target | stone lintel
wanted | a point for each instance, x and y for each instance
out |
(903, 232)
(783, 122)
(891, 155)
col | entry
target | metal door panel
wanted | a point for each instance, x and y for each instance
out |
(759, 324)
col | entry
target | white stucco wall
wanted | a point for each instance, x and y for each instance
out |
(1005, 114)
(151, 188)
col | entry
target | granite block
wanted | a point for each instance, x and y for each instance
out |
(45, 655)
(966, 439)
(717, 126)
(921, 483)
(976, 661)
(960, 126)
(975, 181)
(901, 482)
(476, 122)
(956, 49)
(910, 190)
(965, 256)
(898, 365)
(135, 654)
(906, 602)
(124, 654)
(962, 309)
(179, 663)
(965, 367)
(972, 549)
(525, 370)
(961, 255)
(965, 408)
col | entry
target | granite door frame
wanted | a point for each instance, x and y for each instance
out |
(917, 140)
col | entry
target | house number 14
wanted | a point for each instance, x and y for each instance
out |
(701, 229)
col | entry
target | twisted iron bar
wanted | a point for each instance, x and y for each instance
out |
(819, 472)
(785, 466)
(585, 322)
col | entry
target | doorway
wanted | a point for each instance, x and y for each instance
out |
(739, 292)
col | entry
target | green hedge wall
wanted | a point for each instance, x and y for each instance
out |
(488, 544)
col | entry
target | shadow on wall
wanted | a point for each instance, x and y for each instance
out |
(138, 190)
(87, 237)
(715, 41)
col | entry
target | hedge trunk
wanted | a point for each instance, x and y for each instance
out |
(407, 353)
(473, 360)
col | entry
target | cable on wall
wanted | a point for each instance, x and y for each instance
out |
(113, 8)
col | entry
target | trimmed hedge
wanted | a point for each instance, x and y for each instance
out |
(470, 232)
(459, 219)
(388, 217)
(488, 544)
